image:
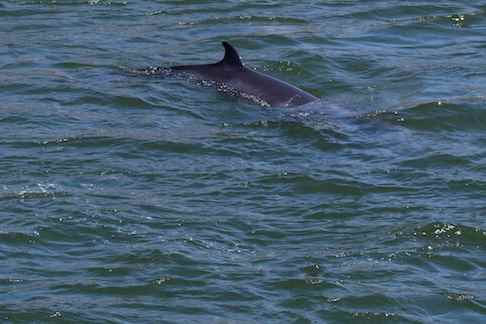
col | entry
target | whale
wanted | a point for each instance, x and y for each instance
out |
(230, 75)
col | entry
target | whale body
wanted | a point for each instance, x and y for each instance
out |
(230, 74)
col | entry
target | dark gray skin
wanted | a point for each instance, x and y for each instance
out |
(231, 74)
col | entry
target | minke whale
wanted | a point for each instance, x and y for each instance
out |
(230, 75)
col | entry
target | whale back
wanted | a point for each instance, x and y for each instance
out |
(230, 73)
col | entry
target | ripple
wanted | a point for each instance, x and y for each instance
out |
(18, 238)
(435, 116)
(303, 284)
(249, 19)
(153, 256)
(437, 160)
(39, 192)
(455, 234)
(305, 184)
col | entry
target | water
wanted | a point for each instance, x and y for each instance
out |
(129, 198)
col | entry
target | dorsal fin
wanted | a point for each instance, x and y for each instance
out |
(231, 56)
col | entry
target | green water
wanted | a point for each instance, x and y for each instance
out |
(130, 198)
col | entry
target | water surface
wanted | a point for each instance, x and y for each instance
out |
(130, 198)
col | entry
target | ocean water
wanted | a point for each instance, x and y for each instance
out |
(128, 198)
